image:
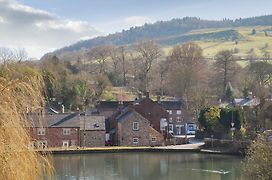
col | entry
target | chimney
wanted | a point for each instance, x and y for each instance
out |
(62, 108)
(158, 99)
(147, 94)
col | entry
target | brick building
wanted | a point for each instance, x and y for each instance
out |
(50, 132)
(64, 130)
(153, 112)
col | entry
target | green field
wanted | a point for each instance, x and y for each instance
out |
(245, 43)
(258, 42)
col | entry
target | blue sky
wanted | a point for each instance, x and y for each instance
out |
(51, 24)
(108, 14)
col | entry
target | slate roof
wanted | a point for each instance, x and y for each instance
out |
(35, 120)
(112, 104)
(171, 105)
(124, 115)
(68, 120)
(92, 123)
(246, 102)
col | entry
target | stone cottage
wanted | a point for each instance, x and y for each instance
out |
(92, 131)
(134, 130)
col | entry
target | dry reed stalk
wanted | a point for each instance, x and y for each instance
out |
(20, 88)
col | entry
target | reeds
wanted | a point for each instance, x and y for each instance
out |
(20, 90)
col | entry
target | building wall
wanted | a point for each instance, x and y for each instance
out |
(152, 111)
(126, 132)
(179, 120)
(92, 138)
(54, 136)
(159, 140)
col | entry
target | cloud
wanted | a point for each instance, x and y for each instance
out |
(39, 31)
(137, 20)
(2, 20)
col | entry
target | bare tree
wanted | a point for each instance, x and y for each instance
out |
(225, 69)
(147, 52)
(187, 67)
(20, 54)
(6, 55)
(119, 62)
(100, 55)
(188, 75)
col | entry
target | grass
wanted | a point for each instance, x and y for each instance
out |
(245, 44)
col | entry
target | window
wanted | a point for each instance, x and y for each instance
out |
(41, 131)
(135, 126)
(169, 111)
(170, 119)
(179, 112)
(178, 119)
(66, 131)
(135, 140)
(171, 127)
(42, 144)
(153, 139)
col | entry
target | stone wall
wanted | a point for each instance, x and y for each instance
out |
(127, 134)
(92, 138)
(155, 135)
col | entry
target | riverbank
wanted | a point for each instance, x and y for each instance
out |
(196, 147)
(112, 149)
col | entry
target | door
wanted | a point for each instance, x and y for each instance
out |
(178, 128)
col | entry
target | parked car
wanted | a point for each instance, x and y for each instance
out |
(191, 128)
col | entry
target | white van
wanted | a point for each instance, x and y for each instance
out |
(190, 128)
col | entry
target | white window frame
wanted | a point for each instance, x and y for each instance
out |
(41, 131)
(170, 119)
(169, 111)
(135, 126)
(66, 131)
(135, 140)
(153, 139)
(65, 144)
(42, 144)
(179, 119)
(178, 112)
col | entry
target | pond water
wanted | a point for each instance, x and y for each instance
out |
(147, 166)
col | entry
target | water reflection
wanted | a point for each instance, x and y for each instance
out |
(146, 166)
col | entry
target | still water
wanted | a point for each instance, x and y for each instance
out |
(147, 166)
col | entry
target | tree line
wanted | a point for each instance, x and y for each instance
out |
(183, 73)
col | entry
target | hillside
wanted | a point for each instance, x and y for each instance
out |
(175, 31)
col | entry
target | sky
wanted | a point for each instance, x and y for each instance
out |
(41, 26)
